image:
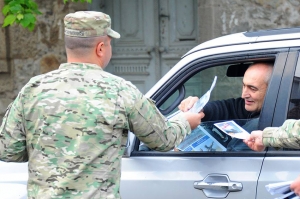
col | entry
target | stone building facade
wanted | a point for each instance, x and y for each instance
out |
(24, 54)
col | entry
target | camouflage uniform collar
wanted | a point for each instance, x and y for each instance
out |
(80, 66)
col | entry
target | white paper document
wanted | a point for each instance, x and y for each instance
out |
(233, 129)
(281, 188)
(198, 106)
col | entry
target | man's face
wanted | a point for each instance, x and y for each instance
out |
(254, 87)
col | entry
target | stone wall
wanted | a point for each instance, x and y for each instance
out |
(222, 17)
(24, 54)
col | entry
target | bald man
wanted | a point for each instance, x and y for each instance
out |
(248, 106)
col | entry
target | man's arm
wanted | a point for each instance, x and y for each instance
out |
(149, 125)
(286, 136)
(153, 129)
(219, 110)
(12, 134)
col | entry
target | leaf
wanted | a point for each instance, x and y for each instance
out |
(5, 10)
(31, 26)
(32, 5)
(24, 12)
(20, 16)
(37, 12)
(27, 20)
(9, 20)
(16, 9)
(13, 3)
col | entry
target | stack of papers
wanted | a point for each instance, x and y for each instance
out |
(282, 188)
(200, 140)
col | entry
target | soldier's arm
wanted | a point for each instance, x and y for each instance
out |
(12, 135)
(153, 129)
(286, 136)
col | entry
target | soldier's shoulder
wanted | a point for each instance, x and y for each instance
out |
(121, 81)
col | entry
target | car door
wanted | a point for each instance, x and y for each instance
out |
(13, 180)
(283, 164)
(200, 174)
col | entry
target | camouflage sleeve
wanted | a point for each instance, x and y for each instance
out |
(12, 135)
(286, 136)
(152, 128)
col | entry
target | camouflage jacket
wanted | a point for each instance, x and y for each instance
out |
(286, 136)
(71, 126)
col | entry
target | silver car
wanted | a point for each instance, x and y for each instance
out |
(211, 171)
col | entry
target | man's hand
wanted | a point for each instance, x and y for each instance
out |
(254, 141)
(187, 103)
(194, 119)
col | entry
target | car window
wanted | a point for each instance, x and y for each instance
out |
(294, 101)
(226, 87)
(294, 104)
(207, 137)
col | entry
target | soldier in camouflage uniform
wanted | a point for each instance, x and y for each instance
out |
(285, 136)
(71, 124)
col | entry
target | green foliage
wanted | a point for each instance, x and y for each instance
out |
(89, 1)
(20, 11)
(23, 12)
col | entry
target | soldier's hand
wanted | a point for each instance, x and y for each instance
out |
(194, 119)
(255, 142)
(187, 103)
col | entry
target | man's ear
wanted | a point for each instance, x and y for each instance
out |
(100, 49)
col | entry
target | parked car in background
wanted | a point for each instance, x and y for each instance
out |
(210, 173)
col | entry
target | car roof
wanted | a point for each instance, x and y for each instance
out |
(249, 37)
(238, 42)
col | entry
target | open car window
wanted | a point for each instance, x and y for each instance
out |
(207, 137)
(226, 87)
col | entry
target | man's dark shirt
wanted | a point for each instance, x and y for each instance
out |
(228, 109)
(231, 109)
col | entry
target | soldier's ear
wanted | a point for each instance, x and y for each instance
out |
(100, 49)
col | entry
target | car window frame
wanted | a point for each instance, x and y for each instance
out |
(288, 75)
(188, 71)
(282, 103)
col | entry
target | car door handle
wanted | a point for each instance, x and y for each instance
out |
(217, 186)
(229, 186)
